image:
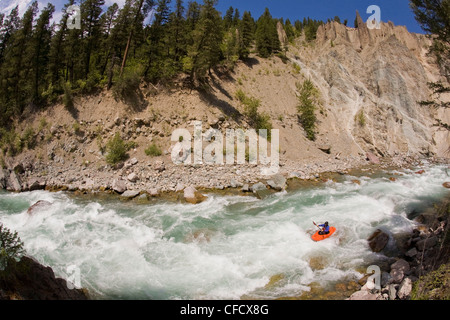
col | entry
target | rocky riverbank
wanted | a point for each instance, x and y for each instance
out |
(421, 270)
(135, 177)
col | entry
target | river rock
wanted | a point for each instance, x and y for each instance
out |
(405, 288)
(191, 195)
(119, 186)
(411, 253)
(446, 185)
(398, 270)
(426, 243)
(36, 184)
(130, 194)
(277, 182)
(133, 177)
(40, 205)
(364, 295)
(260, 190)
(378, 240)
(153, 192)
(392, 292)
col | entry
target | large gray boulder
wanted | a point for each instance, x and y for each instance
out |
(378, 240)
(277, 182)
(130, 194)
(191, 195)
(14, 183)
(119, 186)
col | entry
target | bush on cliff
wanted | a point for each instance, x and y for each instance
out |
(117, 150)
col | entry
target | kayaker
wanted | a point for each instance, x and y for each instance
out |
(325, 228)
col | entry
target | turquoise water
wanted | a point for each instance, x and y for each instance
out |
(224, 248)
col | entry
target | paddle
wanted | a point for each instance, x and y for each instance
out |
(317, 226)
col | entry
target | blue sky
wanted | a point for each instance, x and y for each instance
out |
(397, 11)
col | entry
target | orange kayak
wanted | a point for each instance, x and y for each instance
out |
(318, 237)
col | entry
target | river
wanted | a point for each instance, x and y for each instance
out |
(227, 247)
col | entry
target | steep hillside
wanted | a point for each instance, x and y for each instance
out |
(370, 82)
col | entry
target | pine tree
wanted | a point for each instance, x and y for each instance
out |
(177, 32)
(18, 62)
(41, 49)
(434, 18)
(267, 41)
(90, 23)
(57, 51)
(207, 39)
(157, 41)
(228, 19)
(247, 34)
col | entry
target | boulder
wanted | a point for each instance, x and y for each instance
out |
(191, 195)
(119, 186)
(364, 295)
(392, 291)
(30, 280)
(14, 183)
(426, 243)
(130, 194)
(372, 158)
(411, 253)
(40, 205)
(260, 190)
(398, 270)
(378, 240)
(153, 192)
(36, 184)
(277, 182)
(132, 177)
(405, 288)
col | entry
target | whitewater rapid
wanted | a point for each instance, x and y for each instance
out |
(224, 248)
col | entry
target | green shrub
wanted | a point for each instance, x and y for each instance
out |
(28, 138)
(127, 84)
(76, 127)
(360, 118)
(308, 103)
(251, 106)
(68, 95)
(153, 150)
(116, 149)
(11, 247)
